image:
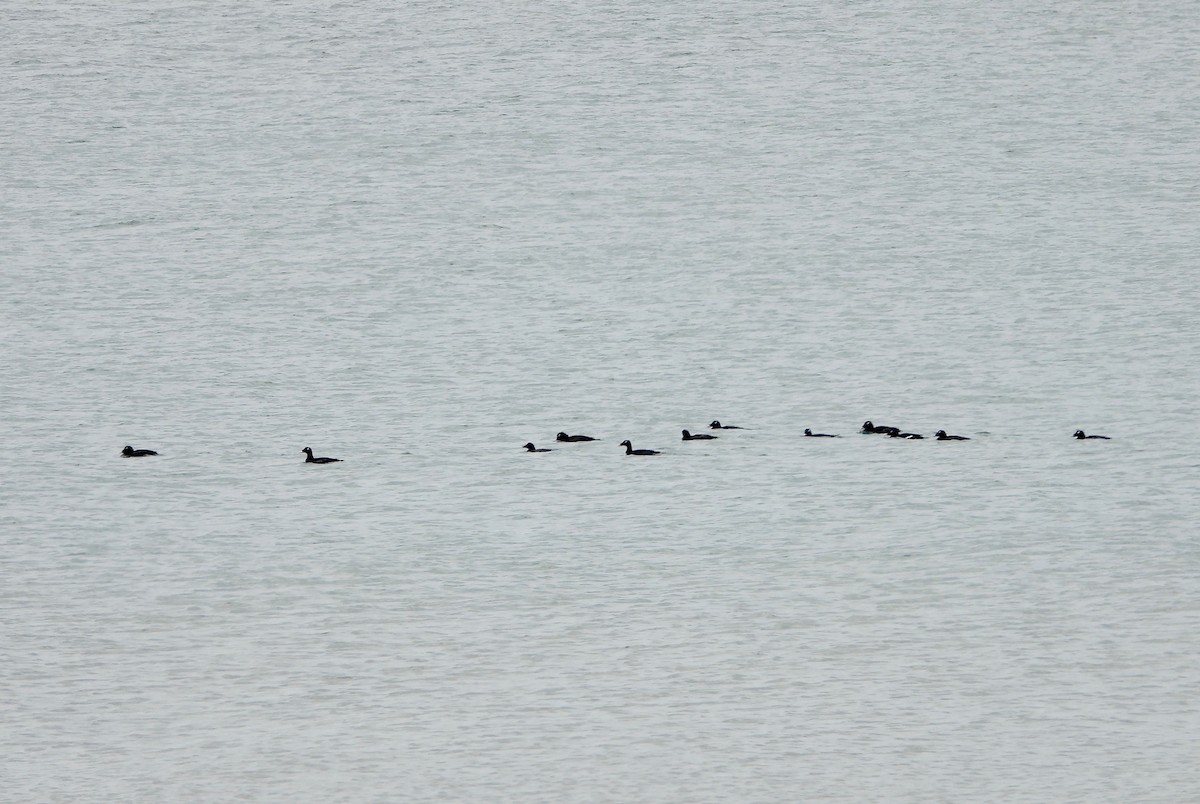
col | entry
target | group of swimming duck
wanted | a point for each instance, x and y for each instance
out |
(130, 452)
(867, 427)
(629, 450)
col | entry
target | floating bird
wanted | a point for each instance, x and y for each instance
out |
(697, 437)
(629, 450)
(310, 459)
(529, 447)
(1081, 435)
(811, 434)
(909, 436)
(868, 427)
(941, 436)
(716, 425)
(130, 452)
(565, 437)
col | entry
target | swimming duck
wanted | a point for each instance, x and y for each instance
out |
(565, 437)
(811, 434)
(310, 459)
(1081, 435)
(697, 437)
(909, 436)
(529, 447)
(941, 436)
(868, 427)
(130, 452)
(629, 450)
(716, 425)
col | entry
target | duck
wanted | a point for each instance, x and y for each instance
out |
(811, 434)
(697, 437)
(529, 447)
(310, 459)
(868, 427)
(565, 437)
(629, 450)
(1082, 435)
(716, 425)
(941, 436)
(909, 436)
(130, 452)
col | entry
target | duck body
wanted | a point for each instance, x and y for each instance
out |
(909, 436)
(941, 436)
(310, 459)
(1082, 435)
(869, 427)
(565, 437)
(529, 447)
(130, 452)
(716, 425)
(629, 450)
(697, 437)
(809, 433)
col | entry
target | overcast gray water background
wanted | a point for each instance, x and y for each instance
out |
(417, 235)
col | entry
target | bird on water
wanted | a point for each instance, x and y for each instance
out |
(1082, 435)
(310, 459)
(130, 452)
(629, 450)
(716, 425)
(565, 437)
(529, 447)
(697, 437)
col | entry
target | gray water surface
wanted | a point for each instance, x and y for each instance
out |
(416, 236)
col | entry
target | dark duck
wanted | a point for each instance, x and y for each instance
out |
(310, 459)
(629, 450)
(130, 452)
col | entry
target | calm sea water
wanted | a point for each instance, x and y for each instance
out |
(416, 236)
